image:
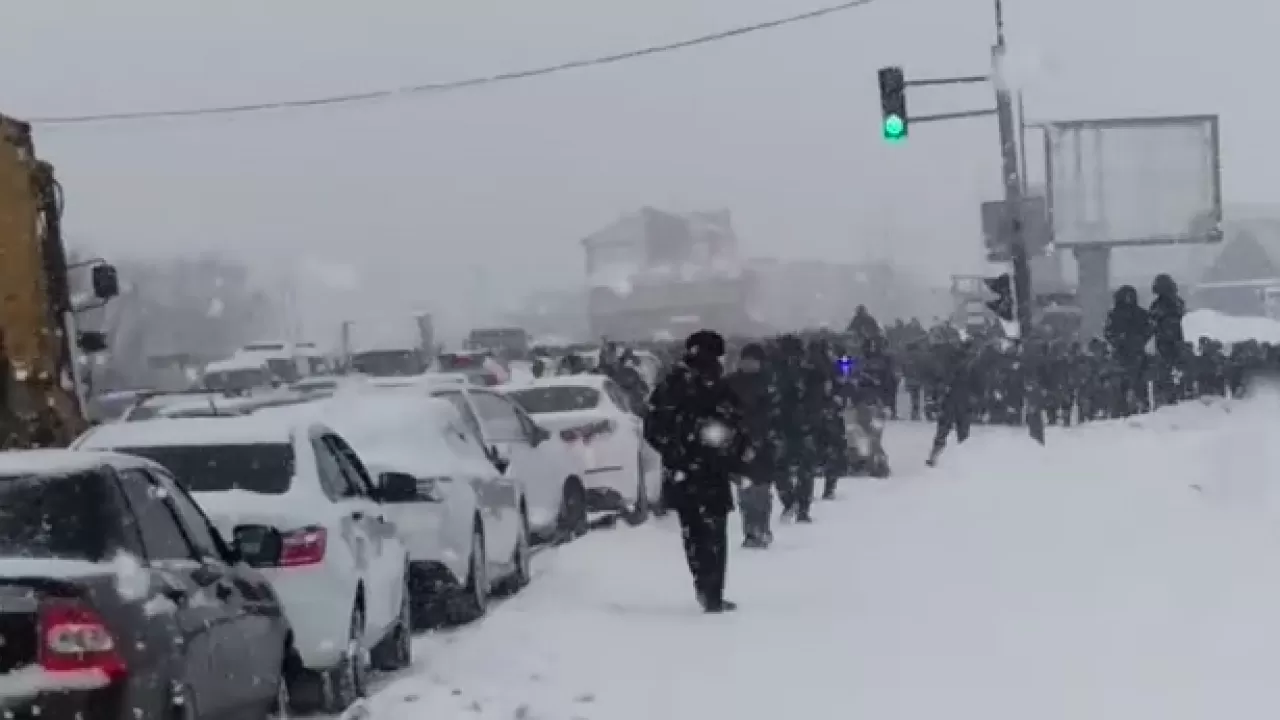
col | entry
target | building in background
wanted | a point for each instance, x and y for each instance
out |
(657, 275)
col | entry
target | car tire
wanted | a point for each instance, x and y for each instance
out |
(342, 685)
(640, 513)
(395, 651)
(182, 705)
(282, 704)
(572, 521)
(520, 561)
(472, 601)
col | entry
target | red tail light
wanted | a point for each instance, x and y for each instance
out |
(303, 547)
(74, 639)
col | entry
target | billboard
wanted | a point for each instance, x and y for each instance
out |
(1134, 181)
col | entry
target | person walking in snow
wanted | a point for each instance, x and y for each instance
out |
(696, 425)
(960, 385)
(752, 383)
(1127, 330)
(1165, 316)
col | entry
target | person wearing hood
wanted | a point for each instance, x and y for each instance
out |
(1127, 330)
(960, 384)
(863, 325)
(626, 373)
(1165, 315)
(695, 423)
(753, 384)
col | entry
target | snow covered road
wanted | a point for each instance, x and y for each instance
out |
(1128, 570)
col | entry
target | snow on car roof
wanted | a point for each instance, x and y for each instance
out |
(59, 461)
(238, 430)
(585, 380)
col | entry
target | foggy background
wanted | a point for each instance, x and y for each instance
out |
(463, 202)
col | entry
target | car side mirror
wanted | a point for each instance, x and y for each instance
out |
(258, 545)
(397, 487)
(499, 462)
(540, 435)
(230, 551)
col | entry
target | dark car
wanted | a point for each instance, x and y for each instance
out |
(119, 601)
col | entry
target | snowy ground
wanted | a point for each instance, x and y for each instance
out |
(1129, 570)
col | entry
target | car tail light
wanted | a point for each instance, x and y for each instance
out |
(569, 435)
(74, 639)
(303, 547)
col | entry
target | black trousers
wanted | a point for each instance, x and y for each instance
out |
(951, 418)
(706, 548)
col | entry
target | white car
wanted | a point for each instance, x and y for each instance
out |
(466, 525)
(554, 478)
(304, 510)
(590, 412)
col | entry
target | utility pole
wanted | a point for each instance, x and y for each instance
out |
(1013, 220)
(895, 128)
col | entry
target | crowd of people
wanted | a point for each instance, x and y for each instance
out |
(777, 419)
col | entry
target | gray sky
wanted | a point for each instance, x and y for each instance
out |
(412, 196)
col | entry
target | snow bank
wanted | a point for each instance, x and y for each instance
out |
(1229, 329)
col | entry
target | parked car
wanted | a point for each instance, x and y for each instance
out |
(120, 601)
(302, 508)
(552, 475)
(466, 523)
(591, 413)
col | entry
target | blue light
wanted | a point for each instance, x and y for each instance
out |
(846, 364)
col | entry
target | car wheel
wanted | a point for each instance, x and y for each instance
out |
(182, 704)
(521, 558)
(282, 703)
(572, 521)
(640, 513)
(347, 682)
(473, 601)
(395, 651)
(658, 507)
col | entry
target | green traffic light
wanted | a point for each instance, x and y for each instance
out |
(894, 128)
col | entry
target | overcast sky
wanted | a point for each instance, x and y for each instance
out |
(412, 197)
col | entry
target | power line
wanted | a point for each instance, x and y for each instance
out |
(437, 87)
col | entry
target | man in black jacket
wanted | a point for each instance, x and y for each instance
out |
(1127, 331)
(1165, 316)
(959, 386)
(752, 383)
(695, 424)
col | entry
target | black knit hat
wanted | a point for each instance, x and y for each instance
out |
(706, 343)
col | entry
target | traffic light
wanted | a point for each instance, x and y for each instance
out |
(893, 104)
(1002, 306)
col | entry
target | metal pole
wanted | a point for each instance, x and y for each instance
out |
(1022, 142)
(1013, 219)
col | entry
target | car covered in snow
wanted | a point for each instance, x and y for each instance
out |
(119, 600)
(303, 509)
(591, 413)
(465, 523)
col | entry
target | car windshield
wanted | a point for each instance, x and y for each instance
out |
(261, 468)
(557, 399)
(62, 516)
(388, 363)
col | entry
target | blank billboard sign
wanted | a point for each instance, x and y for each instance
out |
(1134, 181)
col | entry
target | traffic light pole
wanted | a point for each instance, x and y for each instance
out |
(893, 103)
(1011, 170)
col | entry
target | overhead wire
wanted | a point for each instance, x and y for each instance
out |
(449, 85)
